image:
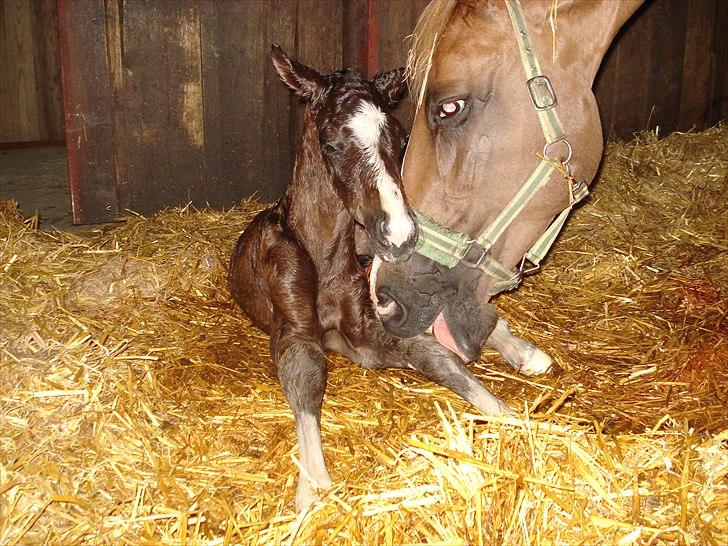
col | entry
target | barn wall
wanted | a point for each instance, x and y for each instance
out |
(30, 92)
(198, 114)
(667, 68)
(201, 114)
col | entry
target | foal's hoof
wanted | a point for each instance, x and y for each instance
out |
(488, 404)
(306, 494)
(304, 499)
(536, 362)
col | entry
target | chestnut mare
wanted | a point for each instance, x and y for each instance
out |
(295, 271)
(502, 89)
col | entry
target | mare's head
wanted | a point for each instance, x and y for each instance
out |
(476, 139)
(349, 128)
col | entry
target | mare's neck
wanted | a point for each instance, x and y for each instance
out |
(313, 209)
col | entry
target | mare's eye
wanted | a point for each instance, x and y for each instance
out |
(450, 108)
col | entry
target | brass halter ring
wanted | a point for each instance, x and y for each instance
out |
(569, 150)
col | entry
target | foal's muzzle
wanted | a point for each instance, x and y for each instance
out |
(385, 241)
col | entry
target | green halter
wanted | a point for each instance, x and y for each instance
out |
(449, 247)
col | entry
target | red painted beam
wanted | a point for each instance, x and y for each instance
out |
(372, 37)
(360, 38)
(87, 110)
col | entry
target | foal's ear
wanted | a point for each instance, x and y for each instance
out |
(303, 80)
(392, 85)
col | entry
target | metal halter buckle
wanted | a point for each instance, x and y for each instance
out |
(522, 267)
(542, 93)
(474, 255)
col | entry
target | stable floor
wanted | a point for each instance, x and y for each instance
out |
(37, 178)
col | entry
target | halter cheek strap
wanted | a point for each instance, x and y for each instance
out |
(449, 247)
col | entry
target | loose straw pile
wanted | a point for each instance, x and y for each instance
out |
(139, 406)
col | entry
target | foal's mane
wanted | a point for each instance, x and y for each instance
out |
(431, 25)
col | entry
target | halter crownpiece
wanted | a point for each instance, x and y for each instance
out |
(449, 247)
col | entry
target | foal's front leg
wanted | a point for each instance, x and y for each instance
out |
(298, 356)
(302, 372)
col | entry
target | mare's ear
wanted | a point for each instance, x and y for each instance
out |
(304, 81)
(392, 85)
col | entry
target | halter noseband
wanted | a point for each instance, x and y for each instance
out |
(449, 248)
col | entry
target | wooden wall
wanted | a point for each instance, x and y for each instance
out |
(186, 107)
(30, 92)
(667, 68)
(202, 117)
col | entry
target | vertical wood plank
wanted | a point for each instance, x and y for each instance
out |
(319, 34)
(279, 105)
(625, 62)
(719, 100)
(20, 119)
(698, 64)
(30, 91)
(246, 109)
(397, 20)
(163, 135)
(87, 105)
(116, 81)
(47, 69)
(318, 23)
(665, 80)
(355, 35)
(142, 138)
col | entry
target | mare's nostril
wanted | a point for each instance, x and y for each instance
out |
(384, 296)
(386, 304)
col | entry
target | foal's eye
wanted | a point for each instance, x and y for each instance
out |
(450, 108)
(331, 148)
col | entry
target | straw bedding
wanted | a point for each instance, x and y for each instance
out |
(139, 406)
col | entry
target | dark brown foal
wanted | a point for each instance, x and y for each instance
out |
(295, 270)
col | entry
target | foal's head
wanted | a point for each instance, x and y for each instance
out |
(361, 145)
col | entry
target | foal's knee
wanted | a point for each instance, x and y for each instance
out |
(301, 369)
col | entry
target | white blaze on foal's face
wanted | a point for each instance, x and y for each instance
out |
(366, 124)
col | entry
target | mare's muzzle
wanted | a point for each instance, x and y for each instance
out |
(417, 296)
(409, 295)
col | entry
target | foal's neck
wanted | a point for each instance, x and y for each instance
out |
(313, 209)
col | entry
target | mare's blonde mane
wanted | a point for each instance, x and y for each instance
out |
(431, 25)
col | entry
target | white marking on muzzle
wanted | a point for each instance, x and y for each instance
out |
(366, 124)
(382, 310)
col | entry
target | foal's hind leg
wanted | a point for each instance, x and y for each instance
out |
(519, 353)
(425, 354)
